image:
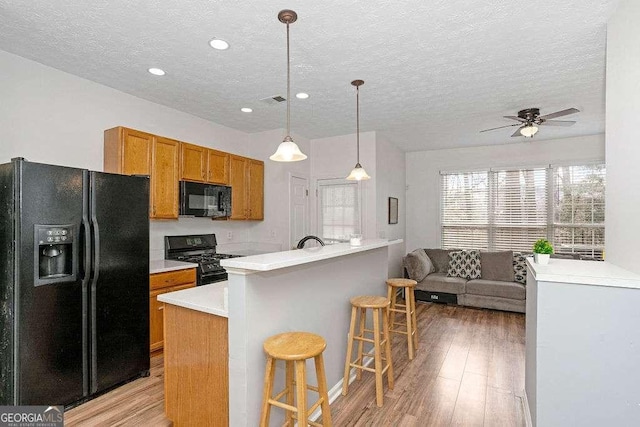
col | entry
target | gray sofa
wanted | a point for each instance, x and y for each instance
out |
(495, 288)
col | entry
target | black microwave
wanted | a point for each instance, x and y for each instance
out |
(209, 200)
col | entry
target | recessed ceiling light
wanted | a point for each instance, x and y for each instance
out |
(219, 44)
(246, 110)
(302, 95)
(156, 71)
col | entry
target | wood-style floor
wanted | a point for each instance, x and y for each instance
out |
(468, 371)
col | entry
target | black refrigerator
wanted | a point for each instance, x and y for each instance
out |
(74, 282)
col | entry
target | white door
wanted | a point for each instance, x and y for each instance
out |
(298, 208)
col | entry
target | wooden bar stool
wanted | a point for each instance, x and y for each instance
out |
(380, 307)
(295, 348)
(408, 309)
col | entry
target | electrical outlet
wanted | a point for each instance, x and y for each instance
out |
(272, 234)
(229, 235)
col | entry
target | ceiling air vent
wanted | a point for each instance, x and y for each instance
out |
(274, 100)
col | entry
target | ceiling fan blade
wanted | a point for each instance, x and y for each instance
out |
(517, 132)
(558, 123)
(520, 119)
(559, 114)
(501, 127)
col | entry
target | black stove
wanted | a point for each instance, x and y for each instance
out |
(199, 249)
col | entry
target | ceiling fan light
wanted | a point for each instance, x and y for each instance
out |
(529, 130)
(358, 174)
(288, 151)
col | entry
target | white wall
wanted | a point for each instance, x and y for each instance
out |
(423, 175)
(623, 136)
(390, 182)
(275, 227)
(334, 157)
(50, 116)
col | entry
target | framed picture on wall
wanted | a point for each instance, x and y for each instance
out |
(393, 210)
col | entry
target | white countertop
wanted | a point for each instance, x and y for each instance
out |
(597, 273)
(207, 298)
(276, 260)
(164, 265)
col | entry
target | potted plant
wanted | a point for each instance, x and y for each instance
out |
(542, 250)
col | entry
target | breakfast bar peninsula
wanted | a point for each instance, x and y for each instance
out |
(299, 290)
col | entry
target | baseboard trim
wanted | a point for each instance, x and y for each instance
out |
(526, 409)
(336, 390)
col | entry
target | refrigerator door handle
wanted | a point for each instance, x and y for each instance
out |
(94, 282)
(86, 263)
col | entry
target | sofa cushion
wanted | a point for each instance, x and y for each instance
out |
(439, 282)
(494, 288)
(520, 267)
(497, 266)
(464, 264)
(440, 258)
(418, 264)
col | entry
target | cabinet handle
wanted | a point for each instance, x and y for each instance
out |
(161, 307)
(154, 210)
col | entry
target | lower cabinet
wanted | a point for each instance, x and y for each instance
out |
(162, 283)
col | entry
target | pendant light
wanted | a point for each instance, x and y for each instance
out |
(288, 151)
(358, 173)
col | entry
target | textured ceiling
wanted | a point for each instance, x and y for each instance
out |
(436, 72)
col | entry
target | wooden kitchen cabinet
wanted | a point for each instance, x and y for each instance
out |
(193, 162)
(162, 283)
(246, 177)
(131, 152)
(201, 164)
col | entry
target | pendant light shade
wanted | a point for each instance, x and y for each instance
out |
(358, 173)
(529, 130)
(288, 151)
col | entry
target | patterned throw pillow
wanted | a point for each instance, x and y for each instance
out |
(520, 267)
(464, 264)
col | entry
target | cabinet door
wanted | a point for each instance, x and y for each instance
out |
(256, 189)
(193, 162)
(218, 170)
(156, 315)
(164, 178)
(238, 182)
(127, 151)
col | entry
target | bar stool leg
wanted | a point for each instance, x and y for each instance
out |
(390, 298)
(270, 372)
(387, 335)
(322, 390)
(407, 309)
(347, 363)
(392, 314)
(377, 355)
(301, 392)
(414, 324)
(363, 323)
(289, 378)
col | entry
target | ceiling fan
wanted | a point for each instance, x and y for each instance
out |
(529, 119)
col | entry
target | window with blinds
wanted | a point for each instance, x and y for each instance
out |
(339, 213)
(512, 208)
(578, 210)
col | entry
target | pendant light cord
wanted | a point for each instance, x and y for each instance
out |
(288, 86)
(358, 122)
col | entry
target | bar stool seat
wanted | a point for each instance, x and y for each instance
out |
(295, 348)
(380, 307)
(408, 309)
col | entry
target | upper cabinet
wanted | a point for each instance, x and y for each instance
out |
(167, 161)
(130, 152)
(246, 177)
(202, 164)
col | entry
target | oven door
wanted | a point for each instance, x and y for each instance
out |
(198, 199)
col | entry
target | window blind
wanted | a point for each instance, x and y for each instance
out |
(339, 209)
(519, 208)
(510, 209)
(578, 209)
(464, 213)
